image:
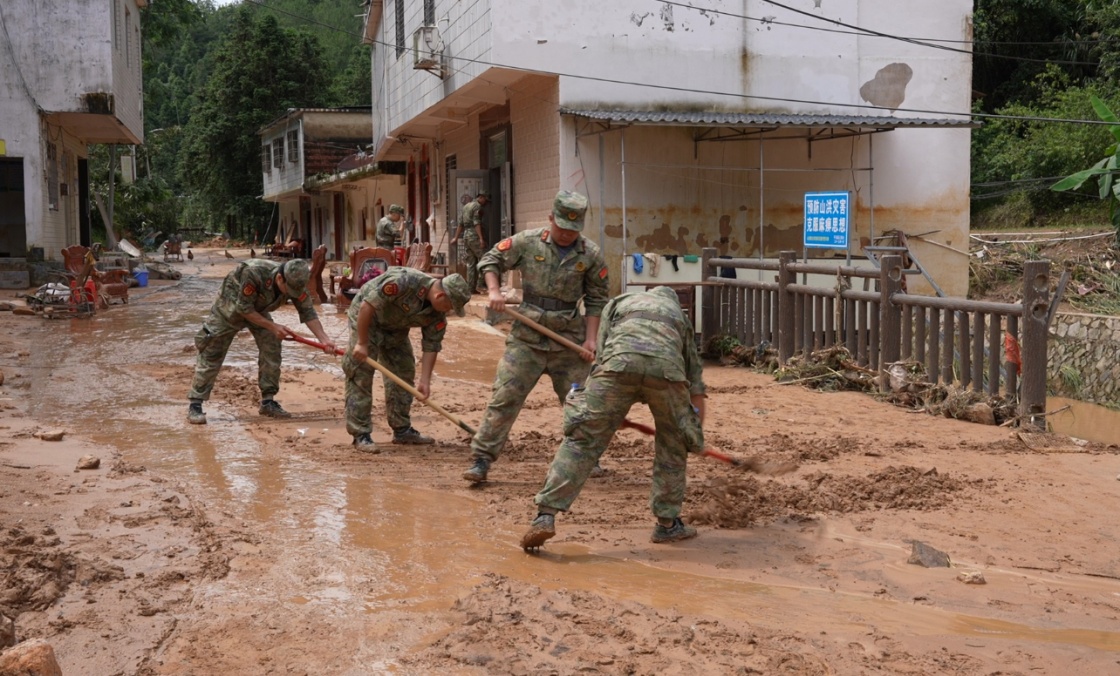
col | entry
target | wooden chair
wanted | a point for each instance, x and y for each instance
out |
(419, 256)
(173, 248)
(80, 265)
(361, 262)
(318, 262)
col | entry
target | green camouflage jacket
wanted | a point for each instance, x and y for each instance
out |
(471, 216)
(649, 333)
(399, 297)
(580, 274)
(251, 286)
(387, 231)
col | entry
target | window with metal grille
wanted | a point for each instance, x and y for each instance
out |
(278, 153)
(266, 158)
(429, 12)
(293, 146)
(399, 11)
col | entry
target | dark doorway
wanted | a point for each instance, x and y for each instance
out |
(13, 219)
(83, 203)
(339, 227)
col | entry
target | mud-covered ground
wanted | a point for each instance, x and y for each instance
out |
(259, 546)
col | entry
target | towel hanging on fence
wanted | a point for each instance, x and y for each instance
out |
(639, 263)
(654, 264)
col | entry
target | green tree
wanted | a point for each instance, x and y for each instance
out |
(1105, 170)
(257, 71)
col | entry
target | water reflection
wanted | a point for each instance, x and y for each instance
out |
(1084, 420)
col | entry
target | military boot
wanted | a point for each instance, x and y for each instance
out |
(272, 409)
(364, 443)
(409, 435)
(477, 472)
(673, 533)
(195, 416)
(542, 528)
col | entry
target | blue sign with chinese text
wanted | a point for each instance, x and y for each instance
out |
(827, 217)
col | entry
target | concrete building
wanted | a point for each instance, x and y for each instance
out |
(686, 126)
(326, 187)
(70, 76)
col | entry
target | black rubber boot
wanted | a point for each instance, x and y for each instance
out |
(273, 409)
(409, 435)
(478, 471)
(678, 531)
(195, 415)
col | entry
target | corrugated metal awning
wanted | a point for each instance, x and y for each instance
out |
(714, 119)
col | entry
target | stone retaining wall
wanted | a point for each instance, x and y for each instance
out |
(1084, 357)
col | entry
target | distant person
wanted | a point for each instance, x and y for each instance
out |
(647, 353)
(382, 314)
(390, 228)
(470, 230)
(559, 268)
(249, 293)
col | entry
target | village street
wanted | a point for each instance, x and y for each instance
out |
(256, 546)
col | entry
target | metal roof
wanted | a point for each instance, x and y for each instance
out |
(714, 119)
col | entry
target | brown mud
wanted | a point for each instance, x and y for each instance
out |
(253, 545)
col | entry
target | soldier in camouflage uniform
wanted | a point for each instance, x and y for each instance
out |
(249, 293)
(380, 317)
(474, 240)
(559, 267)
(647, 353)
(390, 227)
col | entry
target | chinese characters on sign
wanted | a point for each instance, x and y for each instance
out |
(827, 217)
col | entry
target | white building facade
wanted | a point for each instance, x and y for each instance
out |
(70, 76)
(686, 127)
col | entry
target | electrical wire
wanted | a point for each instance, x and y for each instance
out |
(751, 97)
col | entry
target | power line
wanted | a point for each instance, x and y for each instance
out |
(754, 97)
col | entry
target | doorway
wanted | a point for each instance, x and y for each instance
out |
(13, 219)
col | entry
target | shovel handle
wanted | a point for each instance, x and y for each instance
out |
(708, 450)
(549, 333)
(396, 379)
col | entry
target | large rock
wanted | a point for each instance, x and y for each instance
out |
(52, 435)
(7, 632)
(980, 413)
(30, 658)
(89, 462)
(922, 554)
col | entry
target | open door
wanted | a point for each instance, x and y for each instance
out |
(465, 185)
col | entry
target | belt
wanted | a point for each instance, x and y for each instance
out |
(651, 316)
(548, 304)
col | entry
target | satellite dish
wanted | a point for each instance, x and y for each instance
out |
(129, 249)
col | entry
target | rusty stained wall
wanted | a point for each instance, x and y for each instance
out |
(682, 197)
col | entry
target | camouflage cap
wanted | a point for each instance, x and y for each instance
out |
(568, 210)
(396, 208)
(457, 290)
(296, 272)
(667, 293)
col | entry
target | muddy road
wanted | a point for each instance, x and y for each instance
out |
(257, 546)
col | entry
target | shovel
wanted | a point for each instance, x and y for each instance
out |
(749, 464)
(396, 379)
(549, 333)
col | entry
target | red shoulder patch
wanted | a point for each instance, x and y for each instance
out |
(603, 273)
(441, 325)
(302, 297)
(390, 289)
(505, 244)
(544, 235)
(249, 289)
(422, 293)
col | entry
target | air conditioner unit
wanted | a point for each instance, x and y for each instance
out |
(427, 49)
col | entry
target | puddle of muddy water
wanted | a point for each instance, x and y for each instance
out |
(360, 545)
(1084, 420)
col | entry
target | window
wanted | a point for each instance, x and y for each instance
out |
(278, 153)
(266, 158)
(127, 38)
(293, 147)
(399, 11)
(52, 176)
(113, 20)
(429, 12)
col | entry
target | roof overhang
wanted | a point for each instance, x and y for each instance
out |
(719, 126)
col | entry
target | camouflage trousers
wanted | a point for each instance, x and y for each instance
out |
(393, 350)
(592, 415)
(472, 253)
(518, 372)
(213, 341)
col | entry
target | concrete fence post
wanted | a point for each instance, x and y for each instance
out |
(890, 317)
(1034, 330)
(786, 277)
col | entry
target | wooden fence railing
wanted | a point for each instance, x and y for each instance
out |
(958, 340)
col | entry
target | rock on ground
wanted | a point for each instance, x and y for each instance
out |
(30, 658)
